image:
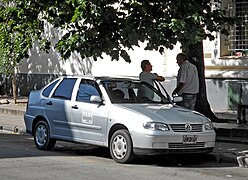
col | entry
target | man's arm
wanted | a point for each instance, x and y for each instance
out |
(178, 88)
(159, 78)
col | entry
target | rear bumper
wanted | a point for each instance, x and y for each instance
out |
(28, 120)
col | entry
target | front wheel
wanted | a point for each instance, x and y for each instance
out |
(121, 148)
(42, 138)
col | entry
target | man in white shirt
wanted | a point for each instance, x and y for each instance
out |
(146, 74)
(148, 77)
(187, 82)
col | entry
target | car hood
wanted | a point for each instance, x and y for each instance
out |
(166, 113)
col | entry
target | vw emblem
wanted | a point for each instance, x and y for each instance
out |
(188, 127)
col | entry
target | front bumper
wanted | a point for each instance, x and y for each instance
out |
(150, 143)
(139, 151)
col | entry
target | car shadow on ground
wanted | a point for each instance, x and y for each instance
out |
(170, 160)
(183, 160)
(17, 146)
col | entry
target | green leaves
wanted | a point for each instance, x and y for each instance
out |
(20, 27)
(112, 26)
(115, 25)
(176, 25)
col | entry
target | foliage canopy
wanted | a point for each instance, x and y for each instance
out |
(93, 27)
(112, 26)
(19, 28)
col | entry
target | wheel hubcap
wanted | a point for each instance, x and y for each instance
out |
(41, 135)
(119, 147)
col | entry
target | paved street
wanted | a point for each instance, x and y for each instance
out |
(20, 159)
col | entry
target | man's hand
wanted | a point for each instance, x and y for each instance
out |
(174, 93)
(178, 88)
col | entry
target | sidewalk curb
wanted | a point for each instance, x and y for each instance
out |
(11, 111)
(12, 132)
(234, 140)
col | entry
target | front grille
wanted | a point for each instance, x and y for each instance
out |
(181, 127)
(182, 145)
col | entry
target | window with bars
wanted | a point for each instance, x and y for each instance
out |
(238, 38)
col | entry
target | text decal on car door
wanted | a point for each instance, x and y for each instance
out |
(87, 117)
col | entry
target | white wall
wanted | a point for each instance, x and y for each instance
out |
(164, 65)
(42, 63)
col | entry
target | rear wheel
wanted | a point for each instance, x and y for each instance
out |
(42, 138)
(121, 148)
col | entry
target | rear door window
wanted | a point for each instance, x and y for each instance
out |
(46, 92)
(65, 88)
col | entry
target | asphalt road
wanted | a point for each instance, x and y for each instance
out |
(20, 159)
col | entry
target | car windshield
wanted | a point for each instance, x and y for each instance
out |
(132, 91)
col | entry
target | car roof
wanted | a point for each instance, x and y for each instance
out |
(102, 78)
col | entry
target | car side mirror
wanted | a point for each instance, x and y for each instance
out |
(177, 99)
(96, 99)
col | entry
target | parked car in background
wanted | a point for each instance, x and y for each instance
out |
(115, 113)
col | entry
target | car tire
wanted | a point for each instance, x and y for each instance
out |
(42, 138)
(121, 148)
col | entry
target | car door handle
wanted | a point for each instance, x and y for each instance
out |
(74, 107)
(49, 103)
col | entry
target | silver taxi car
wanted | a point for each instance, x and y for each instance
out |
(126, 115)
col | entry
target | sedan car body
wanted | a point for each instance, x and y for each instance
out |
(115, 113)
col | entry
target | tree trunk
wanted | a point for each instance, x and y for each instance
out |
(196, 57)
(14, 87)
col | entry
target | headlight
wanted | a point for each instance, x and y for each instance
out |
(155, 126)
(209, 126)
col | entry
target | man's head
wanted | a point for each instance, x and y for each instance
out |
(146, 66)
(181, 57)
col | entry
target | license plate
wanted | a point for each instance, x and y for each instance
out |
(189, 139)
